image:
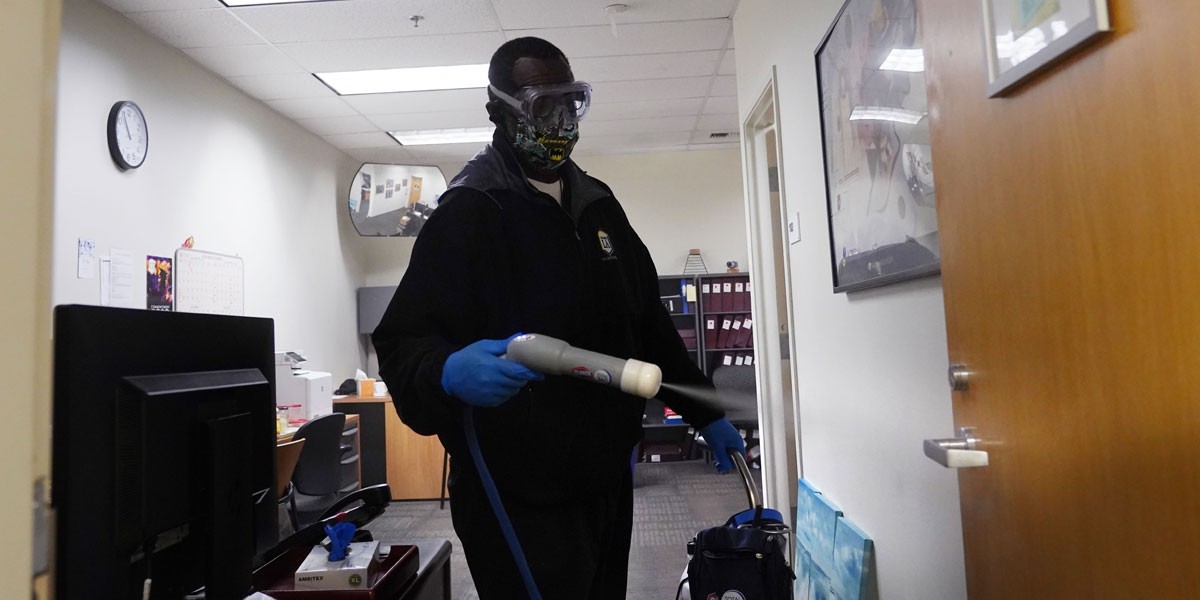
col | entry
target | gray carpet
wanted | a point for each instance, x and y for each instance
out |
(672, 501)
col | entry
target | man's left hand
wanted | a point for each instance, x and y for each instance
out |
(723, 438)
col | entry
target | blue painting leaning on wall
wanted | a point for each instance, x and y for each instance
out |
(834, 559)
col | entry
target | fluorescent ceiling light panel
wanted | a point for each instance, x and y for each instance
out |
(908, 60)
(233, 3)
(443, 136)
(883, 113)
(416, 79)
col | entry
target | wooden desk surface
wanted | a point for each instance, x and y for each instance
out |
(352, 398)
(286, 436)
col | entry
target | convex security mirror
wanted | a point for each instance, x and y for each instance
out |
(394, 200)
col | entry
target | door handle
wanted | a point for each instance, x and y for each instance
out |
(957, 453)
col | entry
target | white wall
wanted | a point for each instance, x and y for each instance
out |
(871, 365)
(680, 200)
(221, 167)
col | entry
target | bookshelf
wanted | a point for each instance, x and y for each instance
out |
(718, 303)
(726, 326)
(691, 311)
(679, 295)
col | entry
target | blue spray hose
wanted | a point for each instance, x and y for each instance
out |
(489, 487)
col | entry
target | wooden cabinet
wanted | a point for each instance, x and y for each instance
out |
(392, 453)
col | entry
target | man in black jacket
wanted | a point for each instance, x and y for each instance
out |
(525, 241)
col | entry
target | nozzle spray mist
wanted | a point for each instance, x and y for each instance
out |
(556, 357)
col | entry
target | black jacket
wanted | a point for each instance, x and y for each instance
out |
(498, 257)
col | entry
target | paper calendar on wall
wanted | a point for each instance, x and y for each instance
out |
(207, 282)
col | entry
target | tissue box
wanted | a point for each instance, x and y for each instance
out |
(366, 388)
(395, 573)
(354, 572)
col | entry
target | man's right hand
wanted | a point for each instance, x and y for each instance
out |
(478, 376)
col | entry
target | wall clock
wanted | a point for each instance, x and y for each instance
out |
(128, 140)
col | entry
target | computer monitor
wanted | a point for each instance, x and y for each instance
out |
(163, 464)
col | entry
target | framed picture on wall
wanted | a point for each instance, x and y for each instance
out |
(1025, 36)
(879, 181)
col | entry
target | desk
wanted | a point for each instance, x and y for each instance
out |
(410, 464)
(433, 575)
(431, 581)
(286, 435)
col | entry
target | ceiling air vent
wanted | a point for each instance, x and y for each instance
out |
(722, 135)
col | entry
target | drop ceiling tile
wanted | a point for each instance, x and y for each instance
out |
(637, 38)
(347, 141)
(720, 106)
(731, 43)
(312, 108)
(232, 61)
(127, 6)
(727, 122)
(530, 14)
(196, 28)
(283, 85)
(432, 120)
(650, 89)
(336, 125)
(705, 138)
(360, 19)
(728, 63)
(724, 85)
(395, 52)
(419, 102)
(636, 126)
(715, 146)
(640, 110)
(646, 66)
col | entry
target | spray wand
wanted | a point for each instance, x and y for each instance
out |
(555, 357)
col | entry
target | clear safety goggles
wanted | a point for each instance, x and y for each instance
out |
(548, 105)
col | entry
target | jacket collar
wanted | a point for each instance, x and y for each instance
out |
(495, 168)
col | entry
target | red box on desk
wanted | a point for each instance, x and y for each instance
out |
(394, 573)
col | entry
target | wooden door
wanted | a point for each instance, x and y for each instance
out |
(1070, 223)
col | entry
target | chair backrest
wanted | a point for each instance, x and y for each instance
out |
(286, 456)
(318, 472)
(738, 392)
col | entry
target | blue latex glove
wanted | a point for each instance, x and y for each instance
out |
(340, 535)
(723, 437)
(478, 376)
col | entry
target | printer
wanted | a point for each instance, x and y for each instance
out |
(310, 391)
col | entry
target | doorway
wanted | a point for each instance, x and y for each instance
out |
(767, 224)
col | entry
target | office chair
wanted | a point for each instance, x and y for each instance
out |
(286, 457)
(317, 477)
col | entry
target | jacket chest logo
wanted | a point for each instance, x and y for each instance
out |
(605, 242)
